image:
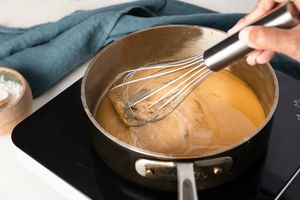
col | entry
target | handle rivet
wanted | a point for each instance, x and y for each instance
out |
(217, 170)
(149, 172)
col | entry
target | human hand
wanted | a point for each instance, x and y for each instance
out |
(268, 40)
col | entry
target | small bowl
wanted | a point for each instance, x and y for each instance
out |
(13, 110)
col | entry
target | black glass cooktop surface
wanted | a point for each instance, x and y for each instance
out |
(56, 137)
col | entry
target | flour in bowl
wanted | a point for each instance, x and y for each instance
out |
(10, 91)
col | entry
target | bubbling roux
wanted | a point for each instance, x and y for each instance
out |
(220, 112)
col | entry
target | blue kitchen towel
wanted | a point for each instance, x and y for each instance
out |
(46, 53)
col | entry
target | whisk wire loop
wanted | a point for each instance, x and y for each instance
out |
(150, 93)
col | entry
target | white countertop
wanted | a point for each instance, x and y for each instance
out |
(16, 182)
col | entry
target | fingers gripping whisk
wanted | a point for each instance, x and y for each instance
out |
(152, 92)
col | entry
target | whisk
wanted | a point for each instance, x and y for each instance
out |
(150, 93)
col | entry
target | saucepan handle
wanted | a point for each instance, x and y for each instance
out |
(186, 181)
(186, 173)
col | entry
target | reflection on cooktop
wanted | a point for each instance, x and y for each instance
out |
(56, 137)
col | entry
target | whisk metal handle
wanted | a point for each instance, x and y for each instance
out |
(231, 49)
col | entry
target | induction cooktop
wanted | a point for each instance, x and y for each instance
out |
(53, 143)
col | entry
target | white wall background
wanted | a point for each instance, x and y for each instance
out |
(25, 13)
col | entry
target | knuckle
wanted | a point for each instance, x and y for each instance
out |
(257, 36)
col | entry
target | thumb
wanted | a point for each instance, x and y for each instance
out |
(269, 38)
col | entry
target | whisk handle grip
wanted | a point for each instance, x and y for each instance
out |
(231, 49)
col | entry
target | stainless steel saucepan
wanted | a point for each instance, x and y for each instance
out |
(156, 170)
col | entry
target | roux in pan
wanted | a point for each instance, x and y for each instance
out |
(221, 111)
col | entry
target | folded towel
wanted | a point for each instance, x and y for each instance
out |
(46, 53)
